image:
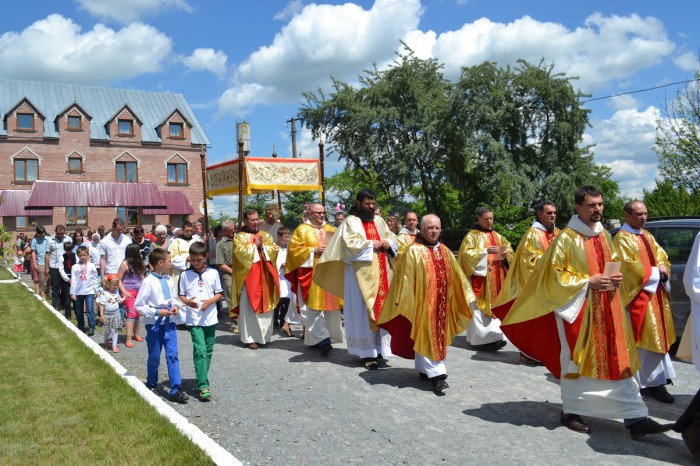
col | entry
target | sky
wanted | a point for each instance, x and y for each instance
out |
(251, 61)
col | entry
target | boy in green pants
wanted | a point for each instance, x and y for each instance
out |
(199, 290)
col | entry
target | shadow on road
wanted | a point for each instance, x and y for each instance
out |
(506, 357)
(396, 377)
(519, 413)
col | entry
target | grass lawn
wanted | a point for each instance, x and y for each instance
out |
(61, 404)
(5, 274)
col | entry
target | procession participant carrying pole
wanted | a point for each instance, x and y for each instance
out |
(203, 157)
(241, 174)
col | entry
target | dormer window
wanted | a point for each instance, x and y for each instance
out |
(75, 122)
(176, 130)
(25, 121)
(126, 127)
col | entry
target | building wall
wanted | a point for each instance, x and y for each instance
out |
(99, 162)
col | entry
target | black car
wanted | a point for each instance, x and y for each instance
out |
(676, 236)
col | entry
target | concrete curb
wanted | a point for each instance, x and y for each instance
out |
(216, 452)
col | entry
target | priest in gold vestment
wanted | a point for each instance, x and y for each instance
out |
(428, 304)
(569, 316)
(255, 281)
(408, 233)
(644, 292)
(528, 255)
(357, 267)
(319, 308)
(483, 257)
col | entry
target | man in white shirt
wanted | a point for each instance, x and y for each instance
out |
(113, 248)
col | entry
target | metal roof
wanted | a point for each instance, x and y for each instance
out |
(12, 202)
(51, 99)
(93, 194)
(177, 205)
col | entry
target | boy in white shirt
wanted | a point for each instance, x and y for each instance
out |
(200, 289)
(84, 282)
(159, 306)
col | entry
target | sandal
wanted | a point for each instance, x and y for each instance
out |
(129, 344)
(138, 338)
(371, 364)
(204, 394)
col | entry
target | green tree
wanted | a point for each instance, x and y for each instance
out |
(668, 200)
(294, 204)
(395, 131)
(678, 139)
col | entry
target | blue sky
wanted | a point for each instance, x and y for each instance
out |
(250, 61)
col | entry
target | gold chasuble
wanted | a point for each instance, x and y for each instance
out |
(486, 283)
(349, 241)
(530, 250)
(405, 240)
(598, 332)
(260, 278)
(428, 302)
(297, 270)
(650, 313)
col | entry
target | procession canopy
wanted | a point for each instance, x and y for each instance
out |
(264, 174)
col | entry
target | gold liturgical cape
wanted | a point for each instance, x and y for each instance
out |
(603, 341)
(404, 240)
(430, 290)
(348, 242)
(302, 244)
(243, 256)
(656, 331)
(470, 255)
(530, 250)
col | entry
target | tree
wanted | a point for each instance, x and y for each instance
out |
(678, 139)
(397, 131)
(668, 200)
(294, 205)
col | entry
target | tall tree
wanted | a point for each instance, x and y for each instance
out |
(678, 138)
(397, 129)
(668, 200)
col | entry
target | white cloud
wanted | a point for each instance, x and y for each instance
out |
(289, 11)
(623, 102)
(319, 42)
(625, 142)
(99, 56)
(128, 11)
(604, 49)
(210, 60)
(687, 62)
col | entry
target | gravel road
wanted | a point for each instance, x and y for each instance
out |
(286, 404)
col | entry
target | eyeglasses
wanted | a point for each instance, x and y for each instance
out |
(319, 212)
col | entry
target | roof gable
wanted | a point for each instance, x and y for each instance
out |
(30, 104)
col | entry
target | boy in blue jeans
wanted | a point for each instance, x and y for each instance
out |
(200, 290)
(158, 304)
(84, 282)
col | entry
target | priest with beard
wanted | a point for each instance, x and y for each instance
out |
(483, 257)
(357, 266)
(428, 304)
(257, 288)
(408, 233)
(528, 256)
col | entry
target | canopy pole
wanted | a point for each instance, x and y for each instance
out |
(320, 158)
(203, 157)
(241, 174)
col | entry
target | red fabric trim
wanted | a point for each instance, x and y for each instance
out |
(401, 342)
(477, 284)
(305, 275)
(638, 312)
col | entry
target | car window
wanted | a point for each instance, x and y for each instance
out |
(677, 242)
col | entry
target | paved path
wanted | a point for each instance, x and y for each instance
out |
(286, 404)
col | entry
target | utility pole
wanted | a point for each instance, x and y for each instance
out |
(293, 121)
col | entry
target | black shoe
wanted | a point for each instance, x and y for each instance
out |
(422, 376)
(91, 331)
(495, 346)
(179, 397)
(648, 427)
(528, 361)
(660, 394)
(439, 383)
(575, 423)
(325, 350)
(370, 364)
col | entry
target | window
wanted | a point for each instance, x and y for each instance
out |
(677, 242)
(130, 215)
(26, 170)
(177, 173)
(25, 121)
(127, 172)
(76, 216)
(75, 122)
(176, 130)
(25, 222)
(75, 165)
(125, 127)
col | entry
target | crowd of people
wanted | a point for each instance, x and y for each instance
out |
(594, 310)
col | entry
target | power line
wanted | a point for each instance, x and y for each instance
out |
(641, 90)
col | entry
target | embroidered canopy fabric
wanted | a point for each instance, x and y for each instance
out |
(265, 174)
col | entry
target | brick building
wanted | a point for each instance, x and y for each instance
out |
(99, 153)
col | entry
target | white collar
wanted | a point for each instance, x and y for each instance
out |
(577, 225)
(538, 225)
(409, 232)
(629, 229)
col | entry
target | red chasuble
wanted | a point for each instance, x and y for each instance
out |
(496, 269)
(258, 281)
(372, 234)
